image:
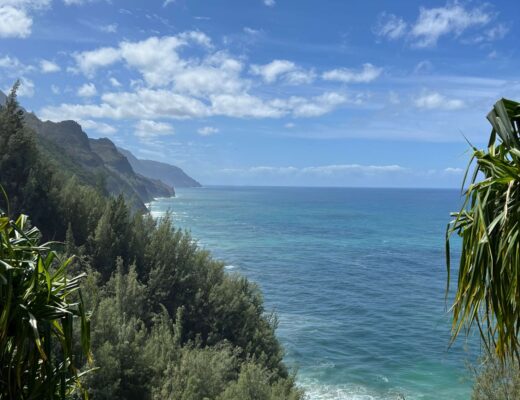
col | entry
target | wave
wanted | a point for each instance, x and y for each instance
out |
(315, 390)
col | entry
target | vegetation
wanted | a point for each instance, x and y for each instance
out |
(167, 321)
(488, 290)
(496, 380)
(37, 317)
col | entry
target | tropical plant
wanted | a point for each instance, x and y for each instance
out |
(37, 314)
(488, 287)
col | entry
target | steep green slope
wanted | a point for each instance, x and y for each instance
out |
(147, 188)
(94, 162)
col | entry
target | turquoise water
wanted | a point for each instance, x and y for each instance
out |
(356, 276)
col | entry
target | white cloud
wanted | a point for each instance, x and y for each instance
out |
(300, 77)
(100, 127)
(26, 88)
(174, 86)
(316, 106)
(434, 100)
(390, 26)
(283, 69)
(290, 125)
(207, 131)
(168, 2)
(15, 16)
(270, 72)
(147, 129)
(87, 90)
(143, 103)
(218, 73)
(14, 22)
(433, 23)
(156, 58)
(451, 19)
(55, 89)
(89, 61)
(244, 106)
(367, 74)
(251, 31)
(114, 82)
(492, 34)
(270, 3)
(47, 66)
(455, 171)
(13, 67)
(154, 104)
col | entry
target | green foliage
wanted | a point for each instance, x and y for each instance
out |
(22, 174)
(488, 293)
(37, 317)
(112, 236)
(254, 383)
(118, 337)
(496, 380)
(199, 373)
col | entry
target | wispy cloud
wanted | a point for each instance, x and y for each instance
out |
(321, 170)
(285, 70)
(48, 67)
(150, 129)
(13, 67)
(366, 74)
(96, 126)
(455, 171)
(207, 130)
(390, 26)
(434, 100)
(453, 19)
(110, 28)
(87, 90)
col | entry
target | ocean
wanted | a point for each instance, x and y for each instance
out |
(357, 278)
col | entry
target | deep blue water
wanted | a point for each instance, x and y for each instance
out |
(356, 276)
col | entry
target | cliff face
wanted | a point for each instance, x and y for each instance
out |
(94, 160)
(167, 173)
(118, 164)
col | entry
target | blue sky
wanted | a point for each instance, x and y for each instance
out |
(271, 92)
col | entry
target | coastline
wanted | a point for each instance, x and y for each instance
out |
(262, 231)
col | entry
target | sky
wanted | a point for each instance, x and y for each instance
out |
(272, 92)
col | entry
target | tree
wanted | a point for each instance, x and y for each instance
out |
(18, 153)
(27, 179)
(488, 289)
(37, 316)
(112, 236)
(496, 380)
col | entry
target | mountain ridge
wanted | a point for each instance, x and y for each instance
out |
(100, 162)
(170, 174)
